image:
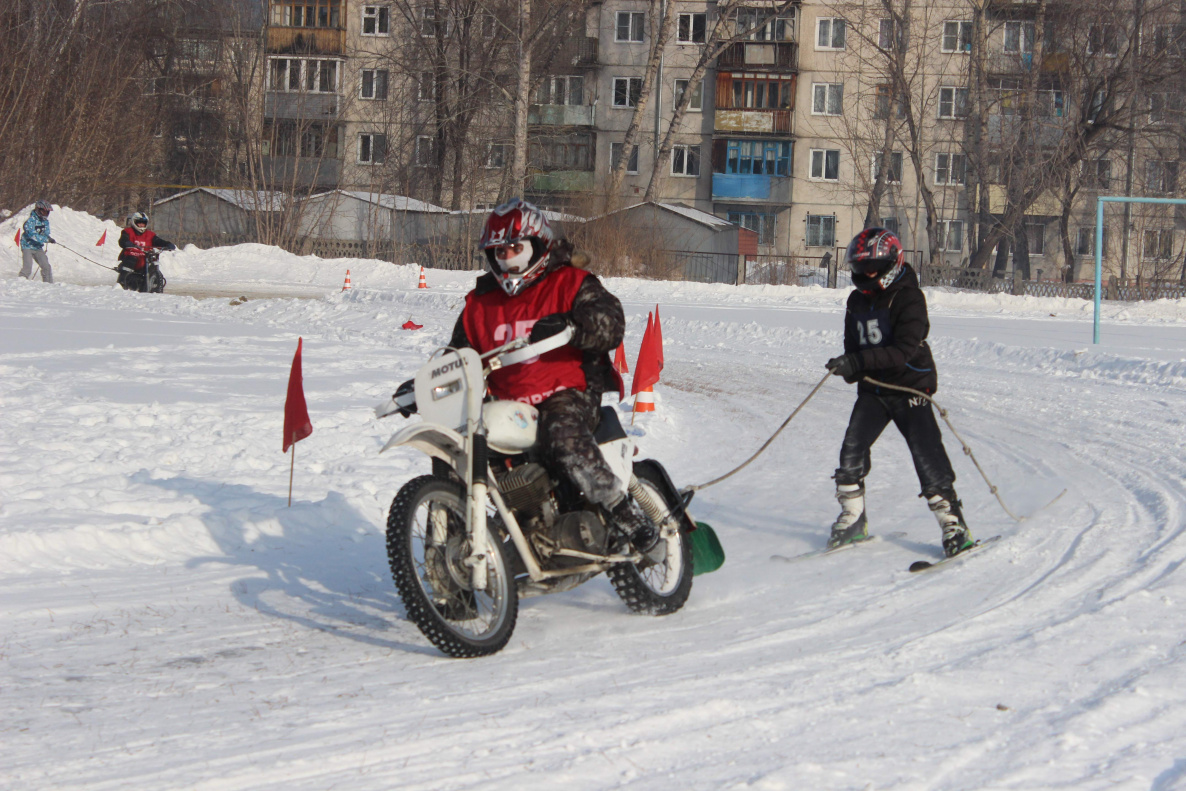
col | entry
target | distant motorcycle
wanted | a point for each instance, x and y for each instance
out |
(491, 525)
(147, 280)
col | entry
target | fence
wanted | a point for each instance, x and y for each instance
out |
(983, 280)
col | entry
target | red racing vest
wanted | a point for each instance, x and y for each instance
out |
(140, 243)
(493, 319)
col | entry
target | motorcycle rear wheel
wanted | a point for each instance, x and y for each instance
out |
(656, 587)
(426, 547)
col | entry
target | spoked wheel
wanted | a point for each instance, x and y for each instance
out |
(427, 547)
(662, 581)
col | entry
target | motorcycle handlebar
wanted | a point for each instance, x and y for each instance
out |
(517, 352)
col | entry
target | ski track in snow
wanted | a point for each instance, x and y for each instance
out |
(169, 623)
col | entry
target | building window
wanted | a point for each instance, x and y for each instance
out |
(882, 102)
(568, 90)
(951, 235)
(374, 84)
(1019, 38)
(825, 164)
(761, 91)
(951, 169)
(886, 38)
(1165, 107)
(1035, 233)
(372, 149)
(424, 151)
(1163, 40)
(498, 155)
(430, 26)
(426, 87)
(759, 157)
(561, 152)
(953, 103)
(690, 29)
(827, 98)
(894, 174)
(829, 33)
(1097, 174)
(303, 74)
(685, 160)
(615, 150)
(761, 27)
(957, 36)
(1158, 246)
(1161, 176)
(376, 20)
(821, 230)
(761, 224)
(630, 26)
(891, 224)
(696, 102)
(1085, 241)
(1103, 40)
(626, 91)
(307, 13)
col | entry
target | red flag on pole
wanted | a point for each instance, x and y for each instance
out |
(102, 239)
(650, 360)
(17, 238)
(659, 336)
(620, 359)
(296, 414)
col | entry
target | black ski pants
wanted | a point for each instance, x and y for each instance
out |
(567, 421)
(915, 419)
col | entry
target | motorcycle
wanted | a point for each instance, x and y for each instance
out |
(147, 280)
(491, 525)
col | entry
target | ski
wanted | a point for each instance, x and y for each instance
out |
(819, 552)
(924, 565)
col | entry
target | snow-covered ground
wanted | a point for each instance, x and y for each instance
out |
(167, 622)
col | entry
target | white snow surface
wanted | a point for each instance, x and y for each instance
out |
(167, 622)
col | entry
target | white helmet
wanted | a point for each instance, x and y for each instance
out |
(517, 240)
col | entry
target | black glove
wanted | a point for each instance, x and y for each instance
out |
(52, 240)
(408, 388)
(847, 366)
(169, 247)
(548, 326)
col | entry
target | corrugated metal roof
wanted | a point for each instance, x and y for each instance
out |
(388, 201)
(248, 200)
(695, 215)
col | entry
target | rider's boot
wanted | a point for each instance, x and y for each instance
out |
(634, 523)
(851, 525)
(949, 513)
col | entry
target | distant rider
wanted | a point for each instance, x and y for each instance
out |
(34, 237)
(533, 290)
(885, 338)
(133, 242)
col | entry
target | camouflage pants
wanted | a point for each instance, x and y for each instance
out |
(567, 421)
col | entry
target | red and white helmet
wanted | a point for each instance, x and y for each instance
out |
(875, 256)
(517, 240)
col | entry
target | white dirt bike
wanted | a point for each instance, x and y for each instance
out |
(491, 525)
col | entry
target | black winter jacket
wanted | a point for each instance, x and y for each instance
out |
(888, 331)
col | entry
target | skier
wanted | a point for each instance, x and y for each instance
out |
(885, 332)
(533, 289)
(133, 242)
(34, 237)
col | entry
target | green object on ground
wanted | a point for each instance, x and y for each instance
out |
(707, 553)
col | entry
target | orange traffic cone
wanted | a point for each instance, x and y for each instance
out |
(645, 400)
(423, 283)
(346, 286)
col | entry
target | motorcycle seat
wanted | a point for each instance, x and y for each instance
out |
(609, 428)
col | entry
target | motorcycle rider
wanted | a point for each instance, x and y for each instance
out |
(533, 289)
(34, 237)
(885, 337)
(133, 242)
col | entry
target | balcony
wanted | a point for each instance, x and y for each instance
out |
(561, 114)
(281, 173)
(754, 121)
(302, 105)
(306, 41)
(767, 55)
(746, 187)
(563, 181)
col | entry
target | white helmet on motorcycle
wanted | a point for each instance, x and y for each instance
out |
(517, 240)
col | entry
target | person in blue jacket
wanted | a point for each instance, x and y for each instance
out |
(34, 237)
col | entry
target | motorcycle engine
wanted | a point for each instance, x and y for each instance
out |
(527, 490)
(582, 531)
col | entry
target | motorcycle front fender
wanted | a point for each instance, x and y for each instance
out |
(433, 440)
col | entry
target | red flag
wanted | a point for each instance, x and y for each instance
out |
(620, 359)
(646, 370)
(411, 325)
(296, 413)
(659, 335)
(17, 238)
(102, 239)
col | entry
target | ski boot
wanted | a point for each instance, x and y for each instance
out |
(634, 524)
(948, 512)
(851, 525)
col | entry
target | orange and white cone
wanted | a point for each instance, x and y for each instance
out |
(645, 400)
(423, 282)
(346, 286)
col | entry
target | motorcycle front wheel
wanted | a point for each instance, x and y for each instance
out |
(427, 547)
(659, 584)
